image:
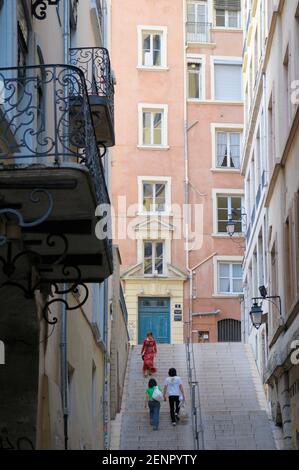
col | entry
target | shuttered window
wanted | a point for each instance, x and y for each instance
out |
(228, 13)
(228, 81)
(231, 5)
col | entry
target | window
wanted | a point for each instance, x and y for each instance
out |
(203, 336)
(229, 207)
(228, 80)
(195, 86)
(152, 47)
(228, 13)
(198, 29)
(230, 278)
(153, 258)
(154, 197)
(153, 125)
(229, 331)
(228, 149)
(154, 194)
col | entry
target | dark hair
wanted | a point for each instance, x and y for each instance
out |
(172, 372)
(149, 334)
(152, 383)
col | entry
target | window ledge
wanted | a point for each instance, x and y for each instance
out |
(223, 235)
(153, 147)
(212, 45)
(226, 296)
(226, 170)
(232, 103)
(217, 102)
(196, 100)
(154, 214)
(153, 68)
(226, 28)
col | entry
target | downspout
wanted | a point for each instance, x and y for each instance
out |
(64, 368)
(106, 404)
(106, 413)
(63, 331)
(186, 182)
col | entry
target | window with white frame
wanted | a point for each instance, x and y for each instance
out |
(152, 47)
(153, 124)
(195, 80)
(154, 196)
(228, 80)
(228, 145)
(229, 207)
(228, 13)
(230, 278)
(153, 259)
(197, 21)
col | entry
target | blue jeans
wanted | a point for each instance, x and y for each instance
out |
(154, 407)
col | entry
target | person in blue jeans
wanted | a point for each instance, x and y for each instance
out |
(154, 405)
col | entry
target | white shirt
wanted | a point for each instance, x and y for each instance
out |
(173, 385)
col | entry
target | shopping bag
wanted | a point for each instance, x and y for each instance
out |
(157, 394)
(183, 411)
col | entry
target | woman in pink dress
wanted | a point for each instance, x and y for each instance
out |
(148, 352)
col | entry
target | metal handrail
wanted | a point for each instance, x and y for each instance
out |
(197, 425)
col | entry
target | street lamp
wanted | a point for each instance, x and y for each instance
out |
(230, 227)
(256, 315)
(241, 218)
(256, 312)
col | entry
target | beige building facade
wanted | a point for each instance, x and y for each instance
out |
(270, 168)
(179, 124)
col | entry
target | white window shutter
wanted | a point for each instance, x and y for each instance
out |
(228, 82)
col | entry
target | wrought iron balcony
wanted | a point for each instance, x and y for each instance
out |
(198, 32)
(95, 65)
(51, 176)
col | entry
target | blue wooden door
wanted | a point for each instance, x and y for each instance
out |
(154, 316)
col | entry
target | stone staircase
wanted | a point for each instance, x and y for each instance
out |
(131, 429)
(233, 407)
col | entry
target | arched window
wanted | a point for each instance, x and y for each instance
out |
(229, 330)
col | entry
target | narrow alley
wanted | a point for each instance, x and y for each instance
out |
(233, 407)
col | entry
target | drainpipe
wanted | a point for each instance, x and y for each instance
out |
(106, 413)
(64, 368)
(63, 331)
(186, 182)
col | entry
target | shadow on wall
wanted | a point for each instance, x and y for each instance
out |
(19, 376)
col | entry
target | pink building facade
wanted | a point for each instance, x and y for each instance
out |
(179, 116)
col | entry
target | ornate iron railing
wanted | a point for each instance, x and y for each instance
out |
(95, 65)
(45, 119)
(198, 32)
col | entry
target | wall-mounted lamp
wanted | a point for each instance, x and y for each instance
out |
(236, 218)
(256, 312)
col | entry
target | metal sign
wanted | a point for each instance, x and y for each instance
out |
(39, 8)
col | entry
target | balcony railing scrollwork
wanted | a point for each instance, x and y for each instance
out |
(40, 125)
(46, 123)
(94, 62)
